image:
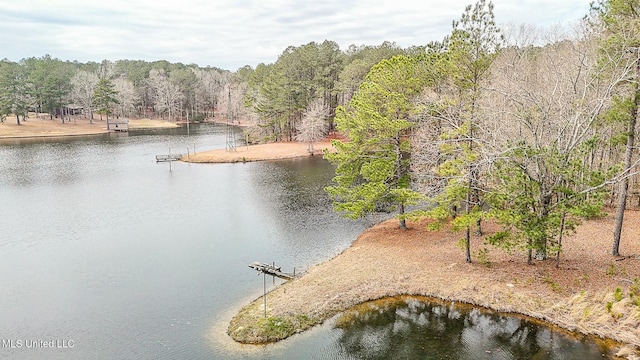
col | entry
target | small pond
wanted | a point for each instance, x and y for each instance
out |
(411, 327)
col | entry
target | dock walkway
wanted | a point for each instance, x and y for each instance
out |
(169, 157)
(271, 270)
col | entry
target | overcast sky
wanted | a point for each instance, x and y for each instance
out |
(229, 34)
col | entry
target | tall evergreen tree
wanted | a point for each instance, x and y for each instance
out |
(105, 97)
(470, 50)
(372, 171)
(619, 21)
(51, 83)
(15, 91)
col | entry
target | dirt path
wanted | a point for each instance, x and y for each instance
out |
(385, 261)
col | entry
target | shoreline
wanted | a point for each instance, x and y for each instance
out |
(38, 127)
(386, 262)
(44, 128)
(262, 152)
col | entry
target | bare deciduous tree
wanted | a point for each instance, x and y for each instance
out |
(106, 69)
(544, 107)
(126, 95)
(210, 83)
(166, 95)
(314, 125)
(231, 100)
(83, 86)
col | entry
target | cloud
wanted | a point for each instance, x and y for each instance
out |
(230, 34)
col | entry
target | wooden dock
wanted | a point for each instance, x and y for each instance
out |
(271, 270)
(118, 125)
(168, 157)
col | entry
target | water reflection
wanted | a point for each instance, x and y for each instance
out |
(301, 217)
(421, 328)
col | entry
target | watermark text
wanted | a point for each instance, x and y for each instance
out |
(37, 344)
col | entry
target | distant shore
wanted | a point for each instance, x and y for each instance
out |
(43, 126)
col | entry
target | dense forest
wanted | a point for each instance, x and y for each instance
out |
(532, 128)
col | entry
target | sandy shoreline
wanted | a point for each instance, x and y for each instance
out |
(43, 127)
(271, 151)
(385, 261)
(77, 126)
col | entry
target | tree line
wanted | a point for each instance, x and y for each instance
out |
(532, 128)
(127, 88)
(274, 97)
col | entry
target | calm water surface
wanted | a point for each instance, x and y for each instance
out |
(106, 254)
(420, 328)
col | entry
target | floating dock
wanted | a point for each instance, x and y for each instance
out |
(169, 157)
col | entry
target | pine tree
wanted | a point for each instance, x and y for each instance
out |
(372, 165)
(105, 96)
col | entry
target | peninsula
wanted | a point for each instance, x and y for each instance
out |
(591, 292)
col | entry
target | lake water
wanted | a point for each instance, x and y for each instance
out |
(106, 254)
